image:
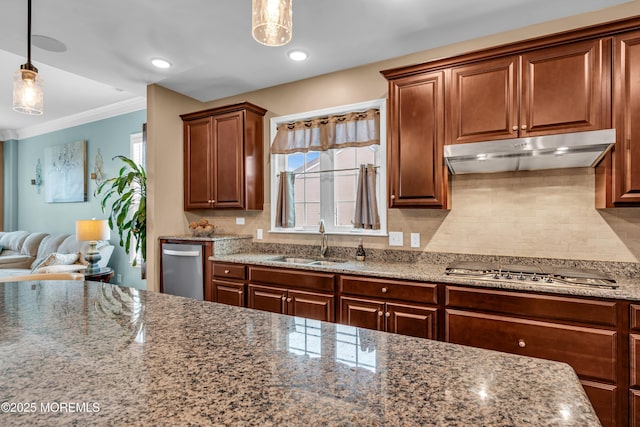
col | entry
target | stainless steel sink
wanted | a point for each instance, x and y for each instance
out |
(307, 261)
(294, 260)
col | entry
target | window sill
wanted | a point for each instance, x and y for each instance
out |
(368, 233)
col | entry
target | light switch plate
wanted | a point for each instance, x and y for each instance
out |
(240, 221)
(396, 238)
(259, 234)
(415, 240)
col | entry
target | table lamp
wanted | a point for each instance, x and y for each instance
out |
(92, 230)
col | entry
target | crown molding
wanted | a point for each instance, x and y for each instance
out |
(8, 134)
(119, 108)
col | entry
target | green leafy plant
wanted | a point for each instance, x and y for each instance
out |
(128, 214)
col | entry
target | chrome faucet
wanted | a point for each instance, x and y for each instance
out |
(324, 240)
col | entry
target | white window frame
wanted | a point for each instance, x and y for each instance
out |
(276, 162)
(135, 140)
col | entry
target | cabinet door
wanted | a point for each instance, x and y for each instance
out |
(626, 116)
(412, 320)
(634, 408)
(229, 293)
(198, 158)
(417, 176)
(311, 305)
(603, 400)
(228, 160)
(483, 101)
(267, 298)
(565, 88)
(362, 313)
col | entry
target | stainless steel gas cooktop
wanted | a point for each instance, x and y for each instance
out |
(530, 274)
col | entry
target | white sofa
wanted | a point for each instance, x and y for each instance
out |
(23, 251)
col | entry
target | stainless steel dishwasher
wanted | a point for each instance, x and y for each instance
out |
(182, 270)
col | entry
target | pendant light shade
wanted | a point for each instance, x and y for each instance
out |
(271, 21)
(28, 95)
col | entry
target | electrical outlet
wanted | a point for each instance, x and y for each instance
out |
(415, 240)
(396, 238)
(240, 221)
(259, 234)
(119, 278)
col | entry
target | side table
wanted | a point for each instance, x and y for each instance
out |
(102, 275)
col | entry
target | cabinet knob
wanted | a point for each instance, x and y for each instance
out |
(239, 292)
(393, 196)
(284, 298)
(521, 343)
(227, 271)
(288, 299)
(515, 127)
(213, 201)
(523, 127)
(387, 314)
(380, 313)
(384, 290)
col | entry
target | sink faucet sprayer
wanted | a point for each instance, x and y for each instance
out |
(324, 240)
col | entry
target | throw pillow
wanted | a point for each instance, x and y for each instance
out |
(57, 259)
(1, 248)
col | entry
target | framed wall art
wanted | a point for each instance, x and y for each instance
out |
(65, 171)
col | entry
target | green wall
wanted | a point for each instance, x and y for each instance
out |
(111, 136)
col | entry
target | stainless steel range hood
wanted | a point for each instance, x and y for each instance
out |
(568, 150)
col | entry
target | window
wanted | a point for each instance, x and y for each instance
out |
(138, 155)
(326, 181)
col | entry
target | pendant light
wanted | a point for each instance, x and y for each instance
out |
(27, 85)
(271, 21)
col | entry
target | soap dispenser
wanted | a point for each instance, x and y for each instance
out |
(360, 254)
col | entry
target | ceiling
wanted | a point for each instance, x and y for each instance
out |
(110, 44)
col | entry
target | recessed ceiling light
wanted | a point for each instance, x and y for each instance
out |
(297, 55)
(48, 43)
(161, 63)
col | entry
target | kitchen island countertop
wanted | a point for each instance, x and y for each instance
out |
(119, 356)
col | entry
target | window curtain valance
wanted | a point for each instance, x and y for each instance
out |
(354, 129)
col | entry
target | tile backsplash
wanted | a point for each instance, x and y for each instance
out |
(529, 214)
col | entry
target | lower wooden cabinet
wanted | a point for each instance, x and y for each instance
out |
(385, 308)
(405, 319)
(228, 284)
(577, 331)
(318, 306)
(590, 351)
(294, 292)
(634, 408)
(229, 293)
(603, 399)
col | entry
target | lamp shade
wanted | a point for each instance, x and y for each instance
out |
(271, 21)
(92, 229)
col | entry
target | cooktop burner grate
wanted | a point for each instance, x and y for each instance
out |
(531, 274)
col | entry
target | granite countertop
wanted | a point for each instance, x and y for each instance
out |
(87, 353)
(215, 237)
(629, 287)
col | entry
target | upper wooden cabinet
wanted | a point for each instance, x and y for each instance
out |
(545, 91)
(626, 116)
(223, 158)
(417, 176)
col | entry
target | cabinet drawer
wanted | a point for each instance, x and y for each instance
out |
(532, 305)
(293, 278)
(229, 271)
(591, 352)
(634, 408)
(390, 289)
(634, 317)
(634, 360)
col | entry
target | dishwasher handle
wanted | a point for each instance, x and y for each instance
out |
(180, 253)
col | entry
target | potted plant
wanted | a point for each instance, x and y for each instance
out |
(129, 208)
